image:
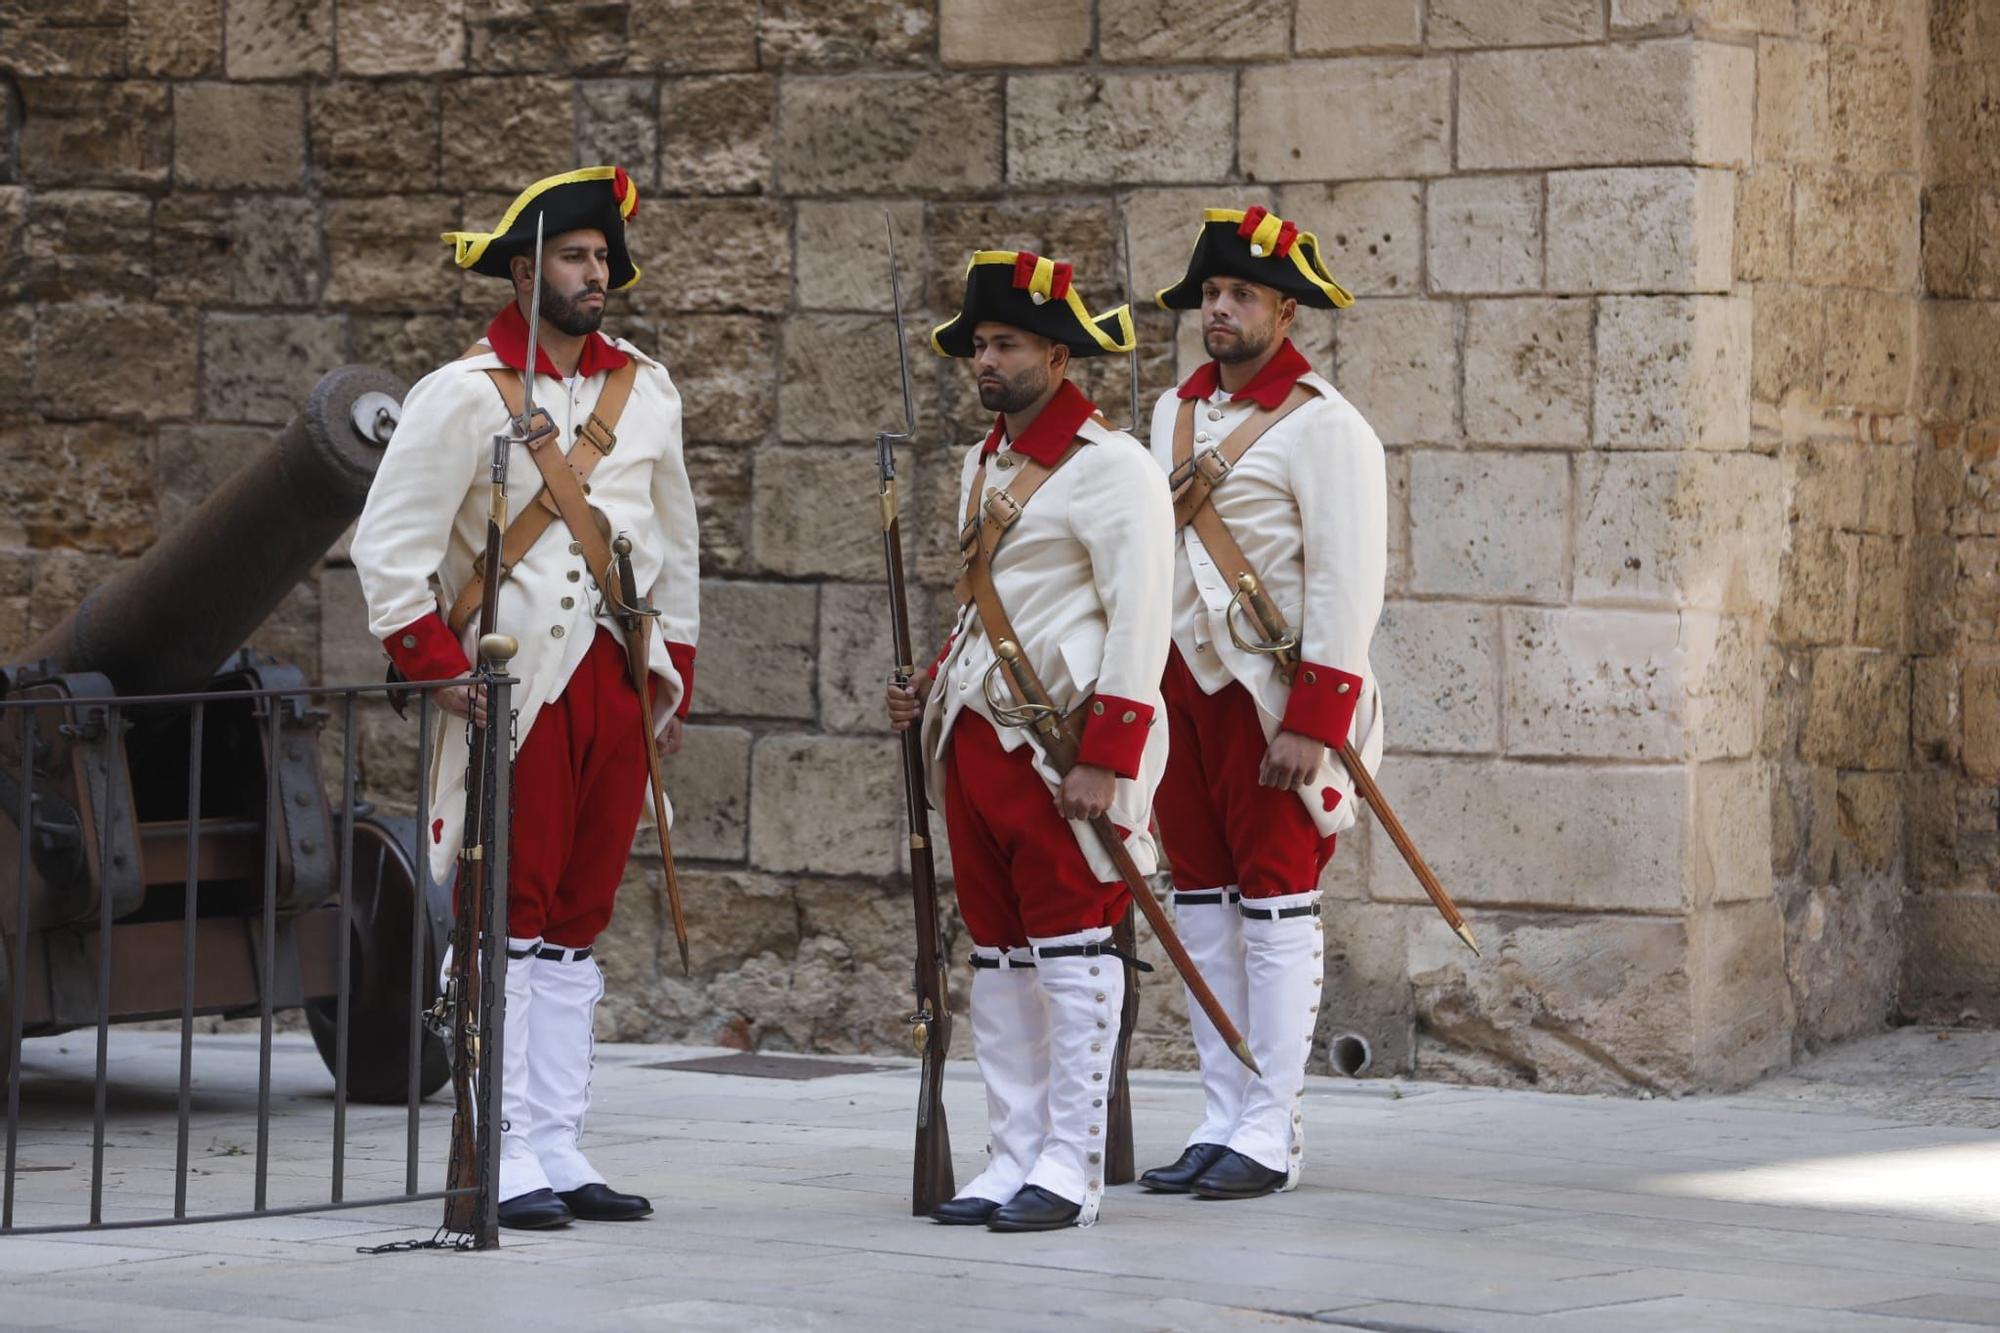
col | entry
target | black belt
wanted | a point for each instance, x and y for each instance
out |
(552, 952)
(981, 960)
(1212, 898)
(1277, 913)
(1092, 951)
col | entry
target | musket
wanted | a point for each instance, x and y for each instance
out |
(930, 1023)
(471, 1047)
(637, 619)
(1277, 641)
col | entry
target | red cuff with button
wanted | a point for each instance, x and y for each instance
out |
(1323, 702)
(1114, 735)
(425, 650)
(683, 659)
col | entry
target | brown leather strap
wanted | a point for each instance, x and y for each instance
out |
(975, 585)
(1193, 479)
(563, 477)
(1002, 511)
(1193, 486)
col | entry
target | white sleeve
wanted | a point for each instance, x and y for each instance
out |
(431, 462)
(1340, 479)
(677, 591)
(1128, 528)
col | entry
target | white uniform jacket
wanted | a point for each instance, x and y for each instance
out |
(1309, 506)
(425, 521)
(1086, 577)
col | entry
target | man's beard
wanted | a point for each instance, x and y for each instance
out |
(1013, 395)
(1243, 344)
(568, 313)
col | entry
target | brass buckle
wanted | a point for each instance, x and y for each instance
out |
(1002, 508)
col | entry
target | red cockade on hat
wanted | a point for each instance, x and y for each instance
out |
(1046, 279)
(621, 188)
(1267, 233)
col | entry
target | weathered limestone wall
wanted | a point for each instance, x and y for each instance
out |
(1638, 322)
(1827, 244)
(1952, 915)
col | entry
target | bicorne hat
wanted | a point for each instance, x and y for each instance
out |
(600, 197)
(1258, 245)
(1032, 292)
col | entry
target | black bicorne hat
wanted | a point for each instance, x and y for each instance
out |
(1258, 245)
(1032, 292)
(600, 197)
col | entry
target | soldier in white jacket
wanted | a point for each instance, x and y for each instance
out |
(580, 781)
(1254, 793)
(1084, 575)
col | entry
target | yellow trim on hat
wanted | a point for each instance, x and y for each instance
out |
(468, 247)
(1266, 235)
(1042, 282)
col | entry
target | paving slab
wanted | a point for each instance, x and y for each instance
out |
(1819, 1201)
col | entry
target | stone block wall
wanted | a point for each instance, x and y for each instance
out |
(1650, 322)
(1951, 967)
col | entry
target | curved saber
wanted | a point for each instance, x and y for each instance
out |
(1282, 646)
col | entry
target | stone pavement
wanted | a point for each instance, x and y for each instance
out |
(1818, 1201)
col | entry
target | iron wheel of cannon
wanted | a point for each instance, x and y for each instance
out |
(379, 975)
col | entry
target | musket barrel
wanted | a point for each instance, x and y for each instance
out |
(168, 621)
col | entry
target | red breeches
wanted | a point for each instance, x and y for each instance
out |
(1219, 826)
(579, 789)
(1018, 867)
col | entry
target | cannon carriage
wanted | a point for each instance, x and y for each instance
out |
(122, 814)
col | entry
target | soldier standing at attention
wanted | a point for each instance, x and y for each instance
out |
(1068, 537)
(1254, 793)
(581, 769)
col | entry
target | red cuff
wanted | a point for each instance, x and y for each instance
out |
(425, 650)
(943, 653)
(682, 655)
(1114, 735)
(1322, 704)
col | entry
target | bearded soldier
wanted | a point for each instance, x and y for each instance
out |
(1069, 570)
(1254, 794)
(581, 769)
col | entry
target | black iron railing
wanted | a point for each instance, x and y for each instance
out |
(103, 821)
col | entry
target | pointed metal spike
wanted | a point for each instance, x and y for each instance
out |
(1249, 1061)
(1132, 357)
(534, 336)
(902, 348)
(1464, 932)
(686, 971)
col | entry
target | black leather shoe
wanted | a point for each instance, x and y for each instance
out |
(1034, 1209)
(1237, 1177)
(971, 1211)
(537, 1210)
(1179, 1177)
(598, 1202)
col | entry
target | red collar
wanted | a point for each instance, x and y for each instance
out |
(507, 335)
(1052, 429)
(1267, 388)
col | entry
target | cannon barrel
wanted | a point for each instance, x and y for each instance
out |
(167, 622)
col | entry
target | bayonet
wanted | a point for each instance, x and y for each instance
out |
(524, 425)
(1132, 310)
